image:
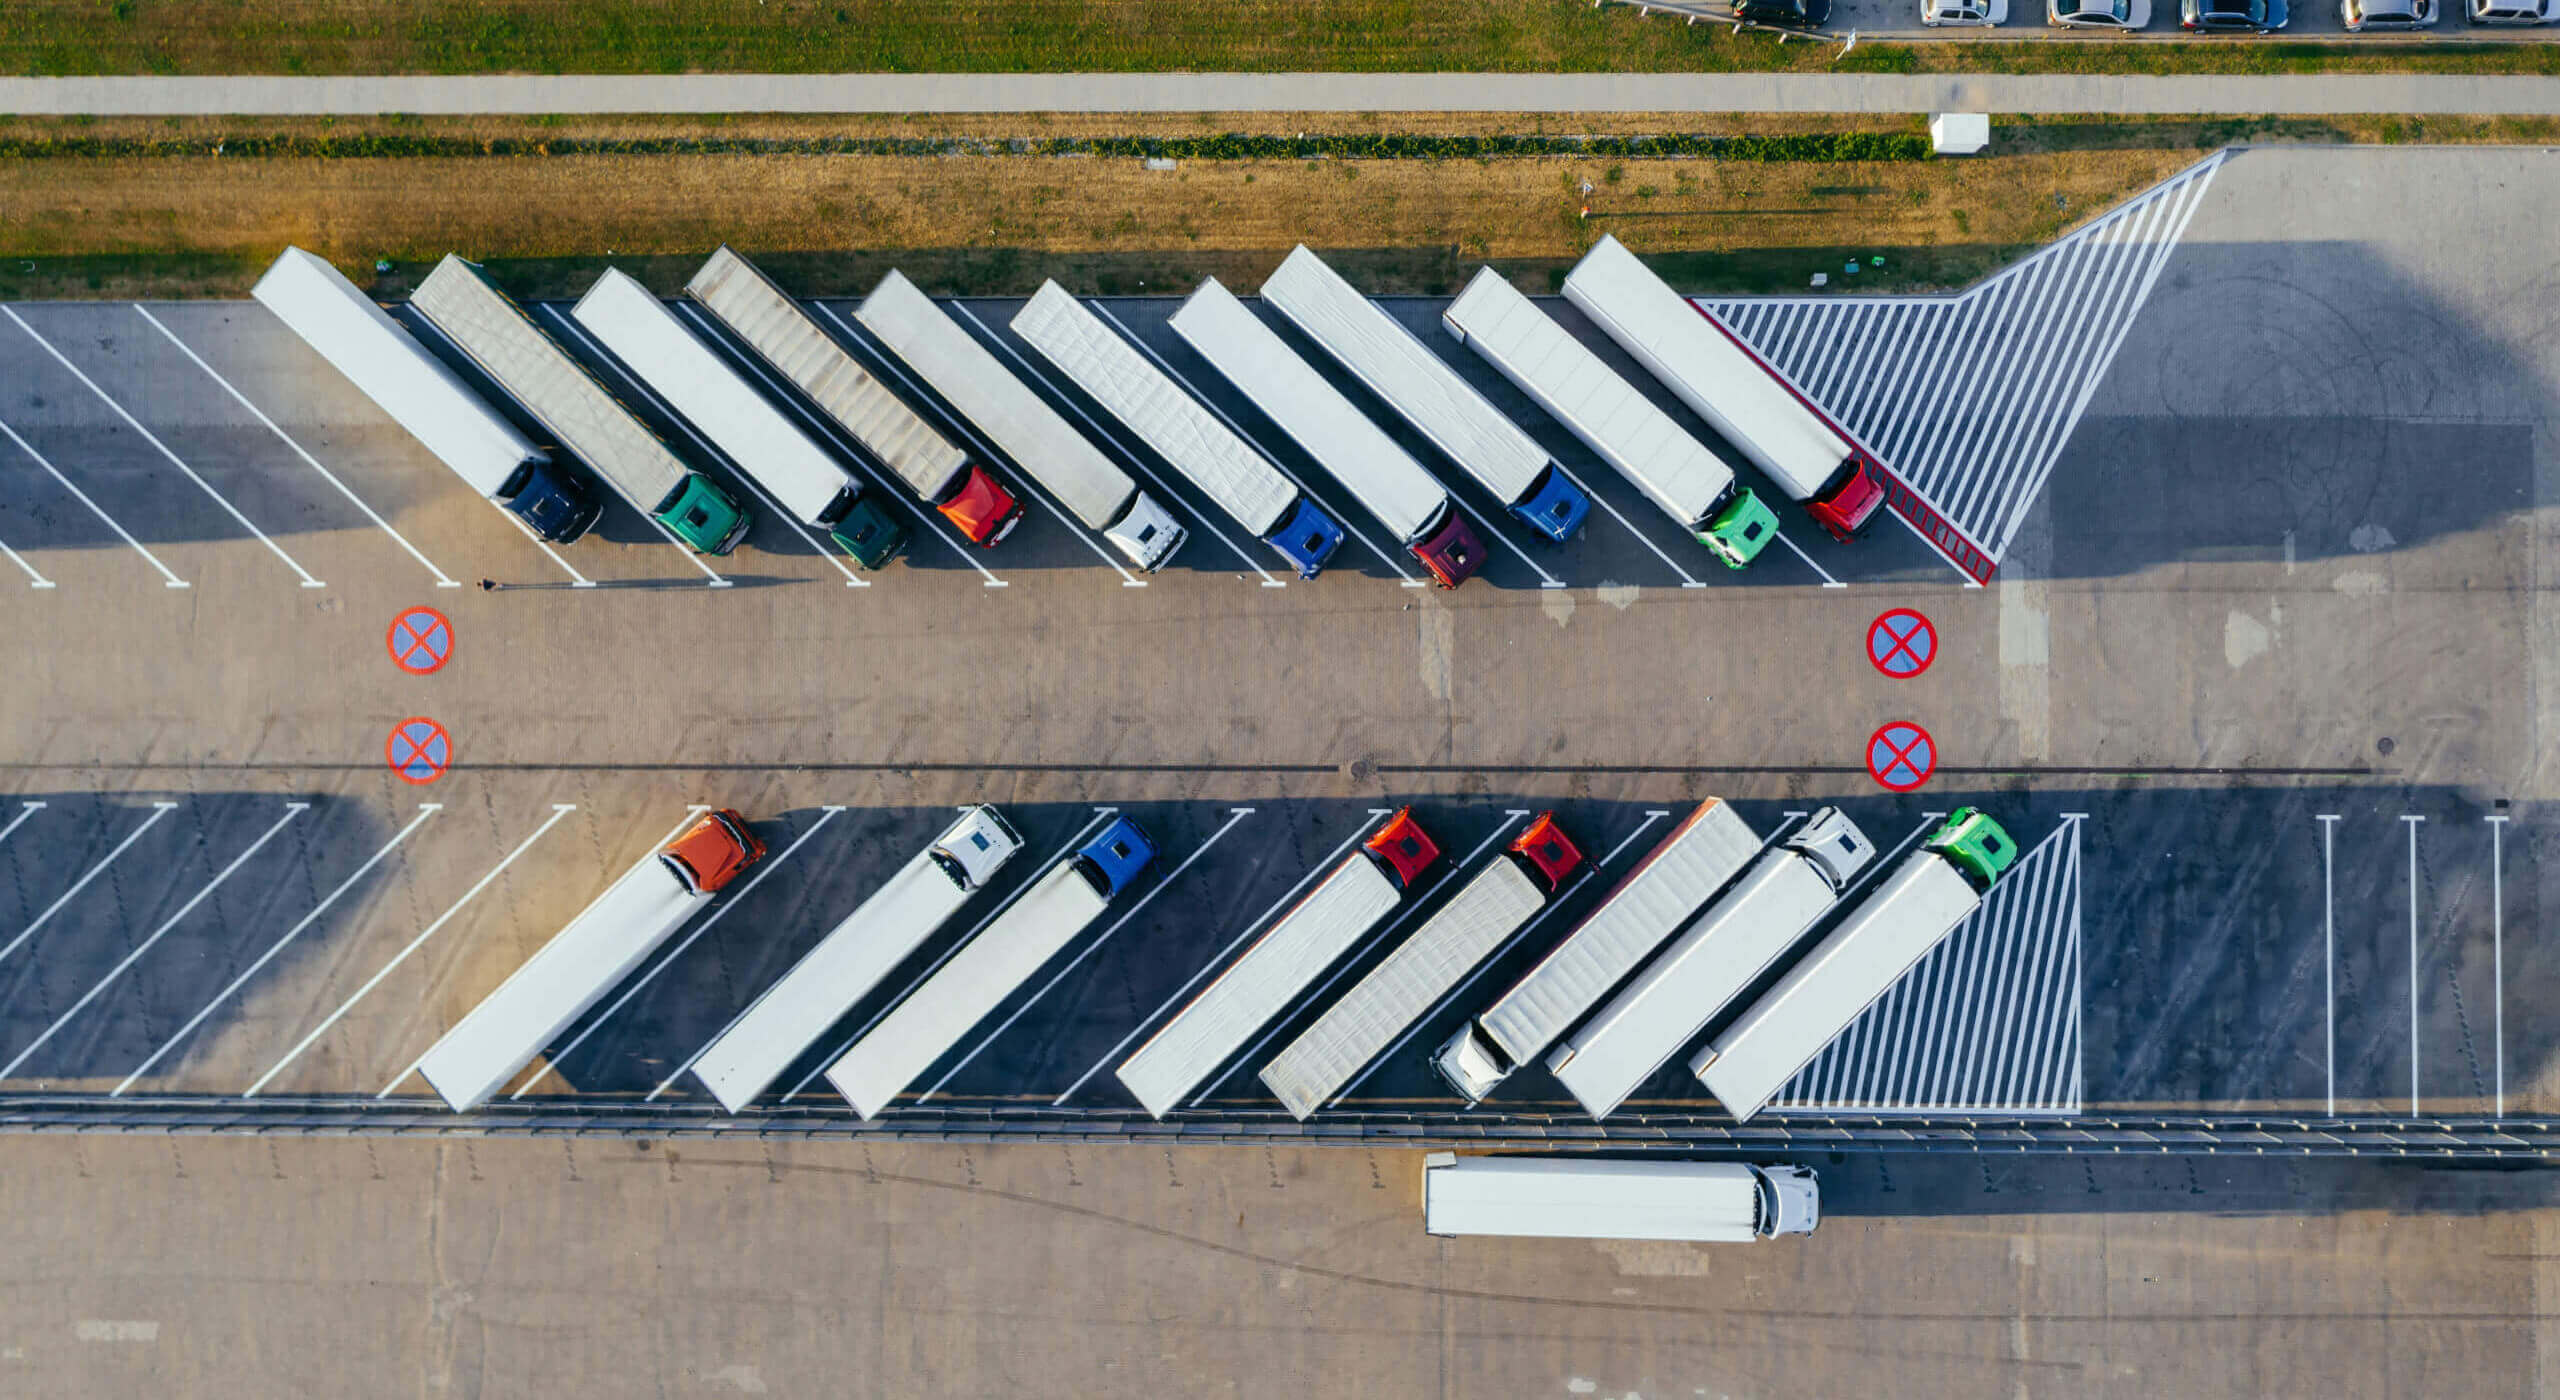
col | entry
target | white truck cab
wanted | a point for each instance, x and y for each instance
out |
(975, 846)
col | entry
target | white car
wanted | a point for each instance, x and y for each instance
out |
(2515, 11)
(2360, 16)
(2103, 14)
(1938, 14)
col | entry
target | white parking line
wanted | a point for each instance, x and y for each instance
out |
(1315, 871)
(423, 329)
(558, 810)
(1128, 454)
(1102, 814)
(172, 580)
(1687, 579)
(34, 579)
(1827, 580)
(2329, 945)
(1651, 816)
(425, 810)
(825, 815)
(158, 810)
(443, 580)
(1234, 815)
(2497, 952)
(25, 810)
(1352, 960)
(691, 555)
(847, 449)
(1340, 515)
(291, 811)
(2412, 824)
(881, 358)
(174, 459)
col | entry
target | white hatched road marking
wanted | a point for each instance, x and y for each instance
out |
(174, 459)
(443, 580)
(1960, 397)
(158, 810)
(171, 580)
(1988, 1022)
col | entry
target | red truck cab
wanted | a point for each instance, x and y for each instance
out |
(712, 851)
(1546, 851)
(982, 508)
(1403, 847)
(1850, 506)
(1452, 553)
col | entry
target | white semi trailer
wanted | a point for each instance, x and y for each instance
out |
(1177, 428)
(761, 314)
(1577, 1198)
(1019, 422)
(854, 957)
(1675, 879)
(1428, 394)
(486, 325)
(424, 396)
(1404, 986)
(1629, 431)
(1338, 435)
(586, 958)
(1297, 948)
(1889, 931)
(877, 1068)
(629, 320)
(1700, 359)
(1722, 952)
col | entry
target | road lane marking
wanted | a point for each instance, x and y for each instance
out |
(170, 580)
(443, 580)
(174, 459)
(158, 810)
(1234, 815)
(691, 555)
(425, 810)
(558, 810)
(291, 811)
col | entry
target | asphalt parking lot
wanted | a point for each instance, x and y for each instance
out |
(2252, 598)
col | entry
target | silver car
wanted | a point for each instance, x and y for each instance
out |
(2386, 15)
(2114, 14)
(1940, 14)
(2514, 11)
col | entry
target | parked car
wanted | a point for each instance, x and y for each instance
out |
(2231, 16)
(1784, 14)
(2515, 11)
(1938, 14)
(2386, 15)
(2097, 14)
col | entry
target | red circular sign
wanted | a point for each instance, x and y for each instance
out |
(1902, 643)
(419, 751)
(420, 639)
(1901, 756)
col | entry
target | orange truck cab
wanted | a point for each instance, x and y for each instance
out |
(712, 851)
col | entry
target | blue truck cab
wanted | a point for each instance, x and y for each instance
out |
(1113, 859)
(1306, 537)
(552, 499)
(1554, 507)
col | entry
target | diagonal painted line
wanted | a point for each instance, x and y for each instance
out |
(172, 580)
(158, 810)
(558, 810)
(25, 810)
(291, 811)
(34, 579)
(174, 459)
(425, 810)
(443, 580)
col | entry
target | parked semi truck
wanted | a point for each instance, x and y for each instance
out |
(784, 336)
(1889, 931)
(1427, 393)
(1488, 909)
(1700, 359)
(587, 958)
(487, 326)
(852, 959)
(1036, 927)
(1338, 435)
(1294, 951)
(1577, 1198)
(1021, 424)
(1674, 470)
(423, 395)
(1177, 428)
(1722, 952)
(1676, 878)
(648, 338)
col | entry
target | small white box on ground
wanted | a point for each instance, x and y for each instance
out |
(1959, 133)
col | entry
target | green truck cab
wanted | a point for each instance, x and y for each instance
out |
(868, 532)
(1737, 533)
(703, 516)
(1975, 845)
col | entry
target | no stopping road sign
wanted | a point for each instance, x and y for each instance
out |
(1901, 756)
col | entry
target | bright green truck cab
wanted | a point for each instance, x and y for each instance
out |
(868, 532)
(1974, 844)
(1737, 533)
(704, 516)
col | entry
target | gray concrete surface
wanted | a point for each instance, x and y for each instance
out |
(2414, 94)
